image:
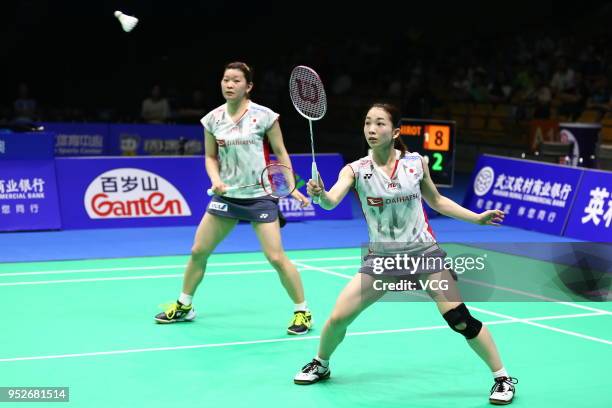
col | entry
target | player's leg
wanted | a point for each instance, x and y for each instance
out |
(269, 237)
(478, 336)
(211, 231)
(356, 296)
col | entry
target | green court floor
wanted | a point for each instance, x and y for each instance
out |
(88, 325)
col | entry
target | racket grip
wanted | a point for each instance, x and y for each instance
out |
(315, 176)
(210, 192)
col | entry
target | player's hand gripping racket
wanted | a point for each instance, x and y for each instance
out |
(276, 179)
(308, 97)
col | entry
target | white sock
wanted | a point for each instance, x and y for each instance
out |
(185, 299)
(324, 363)
(301, 307)
(500, 373)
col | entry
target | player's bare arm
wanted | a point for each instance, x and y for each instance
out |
(448, 207)
(330, 199)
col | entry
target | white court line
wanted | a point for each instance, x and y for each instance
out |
(278, 340)
(535, 296)
(543, 326)
(568, 316)
(326, 271)
(479, 283)
(525, 321)
(161, 267)
(124, 278)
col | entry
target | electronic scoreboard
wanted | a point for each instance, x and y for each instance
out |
(435, 141)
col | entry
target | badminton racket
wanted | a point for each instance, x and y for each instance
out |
(276, 179)
(309, 99)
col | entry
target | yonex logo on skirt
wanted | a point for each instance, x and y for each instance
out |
(218, 206)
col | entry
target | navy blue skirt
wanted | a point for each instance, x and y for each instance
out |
(260, 209)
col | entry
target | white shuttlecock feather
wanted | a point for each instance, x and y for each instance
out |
(127, 22)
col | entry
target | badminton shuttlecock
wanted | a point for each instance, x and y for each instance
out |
(127, 22)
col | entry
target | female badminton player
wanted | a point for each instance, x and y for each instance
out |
(390, 184)
(236, 155)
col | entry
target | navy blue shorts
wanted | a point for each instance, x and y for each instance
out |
(260, 209)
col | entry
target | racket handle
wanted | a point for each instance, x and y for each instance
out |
(210, 192)
(315, 176)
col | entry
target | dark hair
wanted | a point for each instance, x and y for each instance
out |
(394, 116)
(246, 70)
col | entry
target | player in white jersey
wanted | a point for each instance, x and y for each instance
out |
(236, 137)
(390, 184)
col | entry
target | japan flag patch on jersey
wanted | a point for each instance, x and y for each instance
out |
(413, 171)
(254, 124)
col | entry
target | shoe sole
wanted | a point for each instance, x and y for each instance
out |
(184, 319)
(304, 382)
(498, 402)
(297, 333)
(161, 321)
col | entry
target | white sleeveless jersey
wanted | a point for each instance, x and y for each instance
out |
(392, 206)
(242, 149)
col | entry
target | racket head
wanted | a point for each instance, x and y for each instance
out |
(307, 93)
(278, 180)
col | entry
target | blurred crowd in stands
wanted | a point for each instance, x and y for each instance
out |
(540, 77)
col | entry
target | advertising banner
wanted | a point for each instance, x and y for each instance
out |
(131, 192)
(78, 139)
(591, 215)
(26, 146)
(535, 196)
(155, 140)
(162, 191)
(28, 195)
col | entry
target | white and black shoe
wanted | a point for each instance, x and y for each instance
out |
(176, 312)
(301, 323)
(311, 373)
(502, 392)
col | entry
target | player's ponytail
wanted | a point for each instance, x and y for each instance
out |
(399, 144)
(394, 116)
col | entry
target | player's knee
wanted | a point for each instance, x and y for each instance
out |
(199, 253)
(339, 320)
(460, 320)
(276, 259)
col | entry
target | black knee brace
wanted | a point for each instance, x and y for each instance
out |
(461, 314)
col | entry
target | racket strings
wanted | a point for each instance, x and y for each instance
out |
(307, 93)
(278, 180)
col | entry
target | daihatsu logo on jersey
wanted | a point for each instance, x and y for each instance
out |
(133, 193)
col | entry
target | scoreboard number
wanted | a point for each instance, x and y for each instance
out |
(436, 138)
